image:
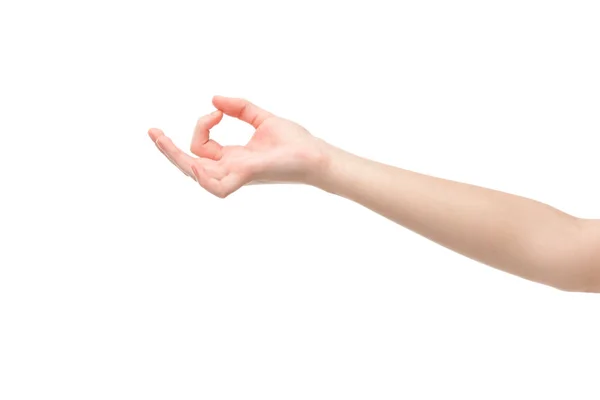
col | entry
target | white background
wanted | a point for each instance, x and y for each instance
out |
(121, 279)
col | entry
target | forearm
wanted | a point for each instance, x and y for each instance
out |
(511, 233)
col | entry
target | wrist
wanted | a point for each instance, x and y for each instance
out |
(325, 166)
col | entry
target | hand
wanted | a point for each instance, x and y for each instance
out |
(279, 150)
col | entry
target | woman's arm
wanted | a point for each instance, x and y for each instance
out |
(514, 234)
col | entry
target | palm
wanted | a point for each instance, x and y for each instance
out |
(278, 151)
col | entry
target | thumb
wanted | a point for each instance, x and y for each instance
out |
(202, 145)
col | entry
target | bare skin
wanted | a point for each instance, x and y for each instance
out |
(517, 235)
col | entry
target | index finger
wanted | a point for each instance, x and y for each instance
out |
(241, 109)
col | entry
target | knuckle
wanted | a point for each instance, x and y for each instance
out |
(196, 149)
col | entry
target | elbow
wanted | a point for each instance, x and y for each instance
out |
(583, 288)
(574, 261)
(579, 281)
